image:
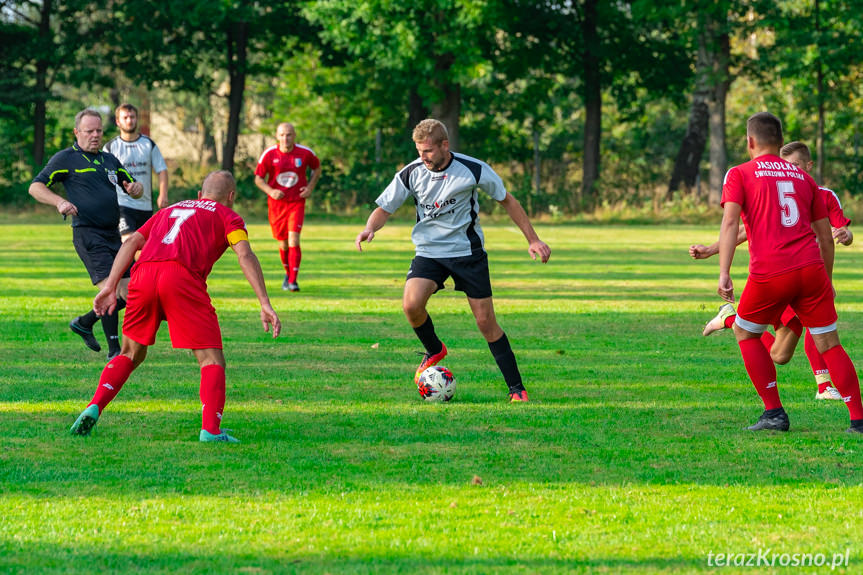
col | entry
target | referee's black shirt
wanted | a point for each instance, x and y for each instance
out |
(91, 182)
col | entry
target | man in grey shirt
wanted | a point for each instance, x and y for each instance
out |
(449, 242)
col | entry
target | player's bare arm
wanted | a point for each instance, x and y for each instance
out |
(536, 247)
(843, 236)
(825, 244)
(376, 221)
(162, 201)
(106, 300)
(700, 251)
(43, 194)
(728, 233)
(306, 190)
(267, 189)
(255, 276)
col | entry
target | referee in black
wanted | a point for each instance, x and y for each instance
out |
(91, 179)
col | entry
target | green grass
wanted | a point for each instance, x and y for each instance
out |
(629, 458)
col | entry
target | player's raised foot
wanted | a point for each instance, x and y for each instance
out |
(829, 392)
(856, 426)
(718, 322)
(518, 396)
(429, 359)
(293, 286)
(773, 420)
(207, 437)
(86, 334)
(86, 421)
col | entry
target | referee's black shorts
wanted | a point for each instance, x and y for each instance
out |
(132, 219)
(97, 248)
(469, 273)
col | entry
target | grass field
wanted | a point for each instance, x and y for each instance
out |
(630, 456)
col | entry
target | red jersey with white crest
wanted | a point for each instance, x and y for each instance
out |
(194, 233)
(778, 202)
(286, 171)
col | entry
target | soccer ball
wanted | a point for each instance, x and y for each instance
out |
(436, 383)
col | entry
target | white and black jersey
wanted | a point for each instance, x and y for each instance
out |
(447, 209)
(141, 157)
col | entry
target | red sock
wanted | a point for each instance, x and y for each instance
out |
(111, 382)
(294, 257)
(761, 371)
(212, 397)
(284, 256)
(845, 379)
(819, 366)
(767, 339)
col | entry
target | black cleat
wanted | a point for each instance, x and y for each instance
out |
(293, 286)
(856, 426)
(86, 335)
(772, 419)
(285, 284)
(113, 353)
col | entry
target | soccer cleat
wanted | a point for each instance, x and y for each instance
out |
(772, 419)
(429, 360)
(113, 353)
(856, 426)
(718, 322)
(829, 392)
(86, 335)
(285, 284)
(515, 396)
(207, 437)
(86, 421)
(293, 286)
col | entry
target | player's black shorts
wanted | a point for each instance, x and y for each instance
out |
(469, 273)
(131, 219)
(97, 248)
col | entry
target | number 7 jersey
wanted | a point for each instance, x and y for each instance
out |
(779, 202)
(194, 233)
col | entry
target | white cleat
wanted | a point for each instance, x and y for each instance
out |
(718, 322)
(829, 392)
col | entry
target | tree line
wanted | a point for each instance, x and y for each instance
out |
(578, 103)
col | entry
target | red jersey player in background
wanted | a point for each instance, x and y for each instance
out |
(788, 331)
(281, 174)
(781, 209)
(179, 246)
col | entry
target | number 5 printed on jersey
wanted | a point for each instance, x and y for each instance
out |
(790, 214)
(183, 215)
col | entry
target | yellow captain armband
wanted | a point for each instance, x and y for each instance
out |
(237, 236)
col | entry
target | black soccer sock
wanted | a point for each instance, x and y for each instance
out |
(505, 359)
(110, 325)
(428, 337)
(87, 320)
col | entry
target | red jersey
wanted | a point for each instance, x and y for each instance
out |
(286, 171)
(194, 233)
(834, 208)
(779, 202)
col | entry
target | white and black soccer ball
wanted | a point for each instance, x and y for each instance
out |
(436, 383)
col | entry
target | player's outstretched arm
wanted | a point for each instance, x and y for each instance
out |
(255, 276)
(700, 251)
(376, 221)
(106, 300)
(536, 247)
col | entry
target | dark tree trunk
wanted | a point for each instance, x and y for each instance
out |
(41, 88)
(592, 103)
(718, 149)
(417, 112)
(688, 162)
(447, 110)
(819, 71)
(238, 35)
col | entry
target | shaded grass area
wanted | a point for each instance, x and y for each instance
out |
(630, 456)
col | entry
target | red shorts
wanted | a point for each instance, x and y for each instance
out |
(168, 291)
(807, 290)
(286, 217)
